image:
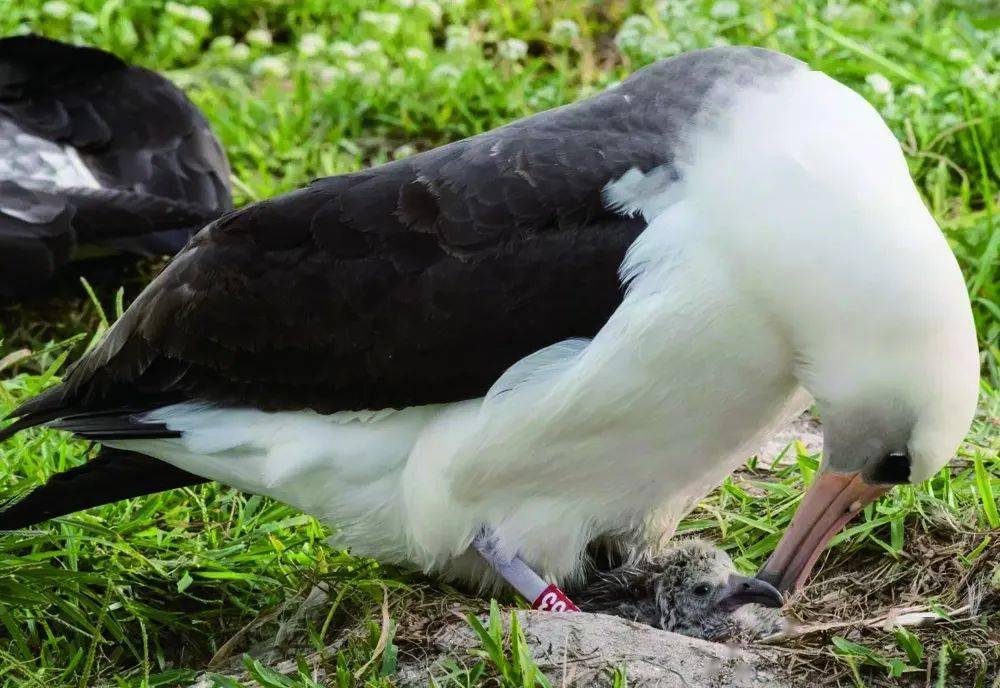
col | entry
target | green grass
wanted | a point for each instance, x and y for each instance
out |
(145, 592)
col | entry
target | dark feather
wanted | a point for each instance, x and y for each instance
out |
(120, 423)
(112, 476)
(416, 282)
(163, 173)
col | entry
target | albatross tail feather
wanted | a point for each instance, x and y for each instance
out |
(38, 410)
(61, 408)
(114, 475)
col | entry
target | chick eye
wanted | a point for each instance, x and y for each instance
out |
(700, 590)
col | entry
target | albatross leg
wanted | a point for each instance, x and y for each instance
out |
(546, 597)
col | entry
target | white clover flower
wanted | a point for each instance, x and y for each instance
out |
(890, 111)
(397, 77)
(83, 22)
(385, 22)
(564, 31)
(677, 10)
(195, 13)
(878, 83)
(415, 55)
(902, 9)
(184, 36)
(259, 37)
(199, 14)
(240, 52)
(431, 9)
(834, 11)
(330, 75)
(788, 32)
(222, 44)
(632, 31)
(457, 38)
(311, 44)
(175, 9)
(658, 46)
(992, 41)
(977, 78)
(446, 72)
(639, 23)
(948, 119)
(915, 91)
(725, 9)
(269, 65)
(404, 151)
(344, 49)
(541, 98)
(353, 68)
(512, 49)
(369, 47)
(57, 9)
(391, 22)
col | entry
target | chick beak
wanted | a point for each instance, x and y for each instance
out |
(831, 501)
(740, 590)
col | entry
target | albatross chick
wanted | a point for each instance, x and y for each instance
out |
(692, 589)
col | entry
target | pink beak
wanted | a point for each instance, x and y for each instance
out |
(830, 502)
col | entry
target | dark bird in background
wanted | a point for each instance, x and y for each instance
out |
(96, 157)
(693, 589)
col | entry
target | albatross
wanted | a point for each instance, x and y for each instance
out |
(570, 328)
(96, 157)
(692, 588)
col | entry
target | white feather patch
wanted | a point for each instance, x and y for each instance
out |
(26, 157)
(538, 368)
(645, 194)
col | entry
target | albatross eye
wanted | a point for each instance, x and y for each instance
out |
(700, 590)
(893, 469)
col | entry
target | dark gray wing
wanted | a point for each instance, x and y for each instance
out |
(416, 282)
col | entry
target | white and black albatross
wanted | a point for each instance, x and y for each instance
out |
(568, 328)
(96, 157)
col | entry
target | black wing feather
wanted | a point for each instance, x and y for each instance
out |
(114, 475)
(416, 282)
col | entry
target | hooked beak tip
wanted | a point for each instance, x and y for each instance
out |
(741, 590)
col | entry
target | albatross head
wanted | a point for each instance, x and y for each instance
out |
(896, 398)
(877, 313)
(805, 192)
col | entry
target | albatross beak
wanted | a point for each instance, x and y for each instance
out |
(741, 590)
(831, 501)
